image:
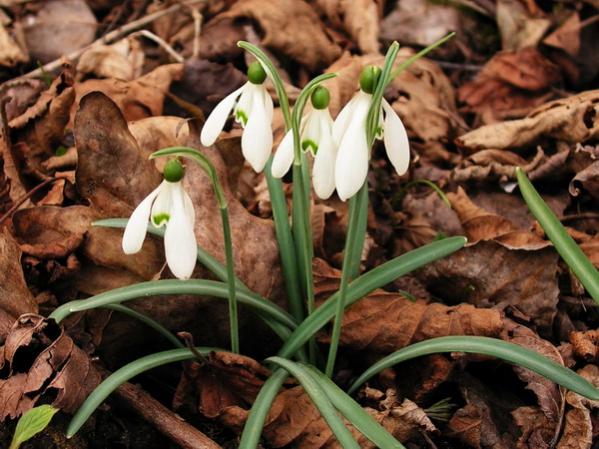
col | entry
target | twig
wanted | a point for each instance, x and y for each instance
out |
(110, 37)
(166, 421)
(197, 29)
(25, 197)
(161, 42)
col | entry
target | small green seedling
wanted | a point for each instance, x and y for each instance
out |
(32, 423)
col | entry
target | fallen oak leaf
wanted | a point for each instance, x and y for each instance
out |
(383, 322)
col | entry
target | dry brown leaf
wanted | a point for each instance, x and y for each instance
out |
(538, 432)
(483, 422)
(39, 361)
(15, 297)
(419, 22)
(227, 385)
(10, 52)
(122, 60)
(587, 180)
(574, 119)
(479, 224)
(137, 99)
(304, 39)
(510, 85)
(59, 28)
(108, 151)
(360, 19)
(585, 344)
(518, 28)
(578, 428)
(488, 274)
(549, 395)
(383, 322)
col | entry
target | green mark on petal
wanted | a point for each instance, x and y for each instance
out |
(159, 219)
(241, 116)
(309, 144)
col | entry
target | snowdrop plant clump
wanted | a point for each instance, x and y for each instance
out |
(168, 205)
(252, 108)
(342, 151)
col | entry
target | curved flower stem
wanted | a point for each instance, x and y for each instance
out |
(207, 166)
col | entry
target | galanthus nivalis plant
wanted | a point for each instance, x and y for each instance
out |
(317, 138)
(252, 107)
(168, 205)
(349, 134)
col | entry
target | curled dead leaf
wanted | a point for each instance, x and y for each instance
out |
(39, 361)
(572, 120)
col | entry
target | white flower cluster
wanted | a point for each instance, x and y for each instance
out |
(340, 148)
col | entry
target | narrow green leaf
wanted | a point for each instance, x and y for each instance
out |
(252, 430)
(354, 413)
(564, 244)
(265, 309)
(32, 423)
(320, 399)
(123, 375)
(286, 248)
(375, 278)
(511, 353)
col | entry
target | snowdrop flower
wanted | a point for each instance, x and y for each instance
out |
(252, 108)
(167, 205)
(315, 136)
(349, 134)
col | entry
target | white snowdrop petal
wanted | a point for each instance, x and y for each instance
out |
(323, 171)
(396, 140)
(179, 239)
(246, 103)
(161, 209)
(311, 128)
(351, 166)
(345, 116)
(283, 159)
(256, 141)
(268, 103)
(218, 117)
(137, 226)
(189, 209)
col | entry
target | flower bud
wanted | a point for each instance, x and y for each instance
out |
(256, 73)
(173, 171)
(320, 98)
(369, 78)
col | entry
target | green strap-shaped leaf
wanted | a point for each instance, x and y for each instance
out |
(320, 399)
(511, 353)
(376, 278)
(32, 423)
(354, 413)
(564, 244)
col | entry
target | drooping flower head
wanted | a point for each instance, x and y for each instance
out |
(317, 138)
(349, 134)
(168, 205)
(253, 108)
